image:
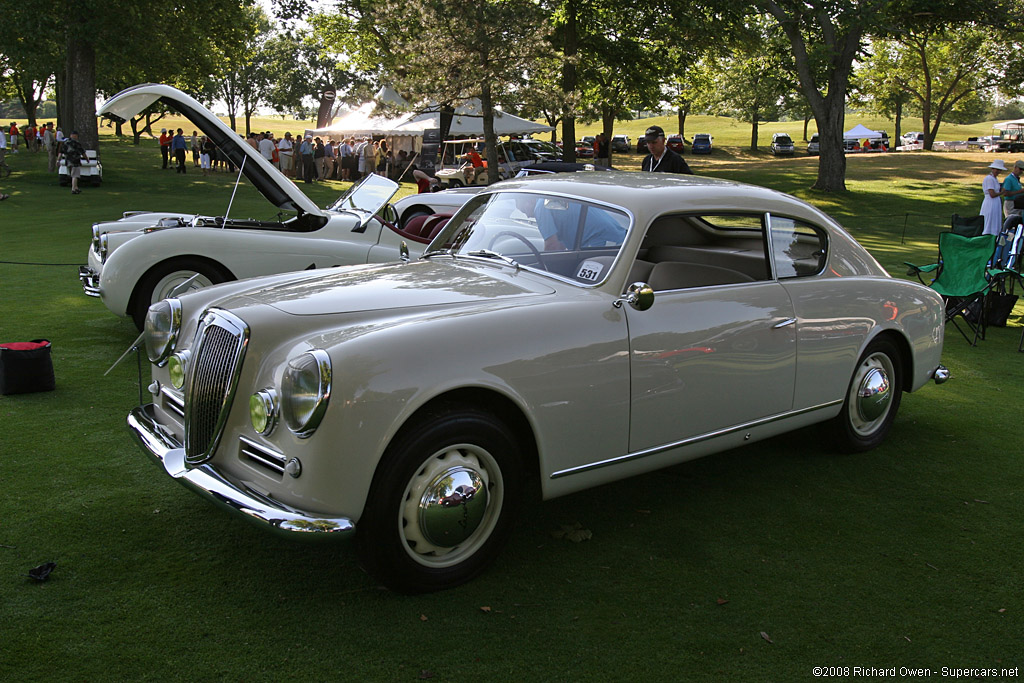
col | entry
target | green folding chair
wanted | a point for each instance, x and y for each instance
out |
(963, 279)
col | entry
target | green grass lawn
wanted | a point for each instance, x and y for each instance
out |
(754, 565)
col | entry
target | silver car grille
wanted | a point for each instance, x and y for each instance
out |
(218, 351)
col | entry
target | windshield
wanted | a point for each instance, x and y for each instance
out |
(367, 197)
(783, 140)
(559, 235)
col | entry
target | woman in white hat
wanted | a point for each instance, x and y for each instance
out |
(992, 206)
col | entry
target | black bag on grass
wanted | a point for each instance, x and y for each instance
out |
(998, 308)
(26, 367)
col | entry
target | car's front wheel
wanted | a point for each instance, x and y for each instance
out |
(442, 501)
(872, 399)
(163, 279)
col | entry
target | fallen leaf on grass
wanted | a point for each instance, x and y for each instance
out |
(722, 601)
(426, 675)
(574, 533)
(485, 609)
(423, 617)
(765, 636)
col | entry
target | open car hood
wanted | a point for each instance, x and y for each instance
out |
(272, 184)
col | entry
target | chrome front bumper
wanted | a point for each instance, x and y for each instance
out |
(90, 280)
(205, 480)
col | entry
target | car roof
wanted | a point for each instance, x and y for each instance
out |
(649, 194)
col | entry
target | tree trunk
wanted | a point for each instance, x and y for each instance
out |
(569, 83)
(490, 139)
(681, 116)
(899, 124)
(753, 133)
(807, 122)
(81, 81)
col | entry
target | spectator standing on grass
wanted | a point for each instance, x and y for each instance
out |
(165, 147)
(196, 146)
(1012, 189)
(30, 138)
(14, 133)
(50, 143)
(344, 158)
(178, 147)
(3, 150)
(602, 151)
(207, 150)
(266, 146)
(306, 152)
(318, 158)
(661, 159)
(286, 149)
(74, 153)
(991, 206)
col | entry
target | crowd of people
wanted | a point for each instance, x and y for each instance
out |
(1001, 198)
(44, 137)
(309, 158)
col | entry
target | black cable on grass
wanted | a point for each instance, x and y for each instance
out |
(29, 263)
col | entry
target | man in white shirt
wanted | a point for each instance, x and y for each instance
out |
(285, 149)
(266, 147)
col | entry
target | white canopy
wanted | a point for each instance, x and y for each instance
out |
(468, 121)
(859, 132)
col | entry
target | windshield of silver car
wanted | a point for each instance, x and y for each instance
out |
(560, 235)
(367, 197)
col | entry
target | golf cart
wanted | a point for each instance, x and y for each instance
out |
(457, 171)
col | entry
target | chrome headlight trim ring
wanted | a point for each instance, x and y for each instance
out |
(159, 353)
(304, 427)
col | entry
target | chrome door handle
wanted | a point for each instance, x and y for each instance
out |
(785, 323)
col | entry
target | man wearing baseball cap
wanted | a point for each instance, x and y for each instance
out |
(661, 159)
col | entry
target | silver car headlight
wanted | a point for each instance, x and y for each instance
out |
(102, 248)
(163, 324)
(305, 391)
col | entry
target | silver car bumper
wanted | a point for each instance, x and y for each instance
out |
(205, 480)
(90, 280)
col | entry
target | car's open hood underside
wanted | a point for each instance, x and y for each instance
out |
(272, 184)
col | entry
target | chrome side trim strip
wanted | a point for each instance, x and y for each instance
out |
(688, 442)
(207, 481)
(261, 455)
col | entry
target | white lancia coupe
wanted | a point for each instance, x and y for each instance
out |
(577, 328)
(143, 256)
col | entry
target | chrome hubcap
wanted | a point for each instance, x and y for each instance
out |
(871, 393)
(451, 506)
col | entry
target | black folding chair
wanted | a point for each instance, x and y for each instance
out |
(968, 226)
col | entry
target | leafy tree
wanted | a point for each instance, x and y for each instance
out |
(878, 82)
(753, 82)
(943, 69)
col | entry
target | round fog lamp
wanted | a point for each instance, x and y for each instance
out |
(263, 411)
(176, 367)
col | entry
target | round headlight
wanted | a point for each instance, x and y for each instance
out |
(163, 323)
(177, 365)
(305, 389)
(263, 411)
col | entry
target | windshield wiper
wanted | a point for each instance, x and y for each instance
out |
(487, 253)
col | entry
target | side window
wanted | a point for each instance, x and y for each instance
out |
(687, 250)
(799, 249)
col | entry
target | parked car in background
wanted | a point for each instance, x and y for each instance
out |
(585, 149)
(813, 147)
(681, 317)
(537, 150)
(701, 144)
(676, 144)
(850, 145)
(913, 138)
(641, 145)
(143, 256)
(621, 143)
(782, 145)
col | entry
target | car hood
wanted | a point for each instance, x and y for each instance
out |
(437, 282)
(271, 183)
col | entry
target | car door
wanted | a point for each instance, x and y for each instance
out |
(718, 347)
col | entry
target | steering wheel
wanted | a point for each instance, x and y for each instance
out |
(528, 243)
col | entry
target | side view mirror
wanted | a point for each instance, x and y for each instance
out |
(639, 295)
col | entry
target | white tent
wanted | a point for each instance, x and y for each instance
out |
(859, 132)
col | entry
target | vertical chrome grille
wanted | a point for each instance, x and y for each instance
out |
(220, 346)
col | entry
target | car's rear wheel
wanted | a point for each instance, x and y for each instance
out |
(872, 399)
(442, 501)
(164, 278)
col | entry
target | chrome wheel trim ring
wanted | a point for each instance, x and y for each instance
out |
(418, 521)
(871, 393)
(168, 282)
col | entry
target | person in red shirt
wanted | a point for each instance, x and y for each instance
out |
(13, 132)
(475, 164)
(165, 146)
